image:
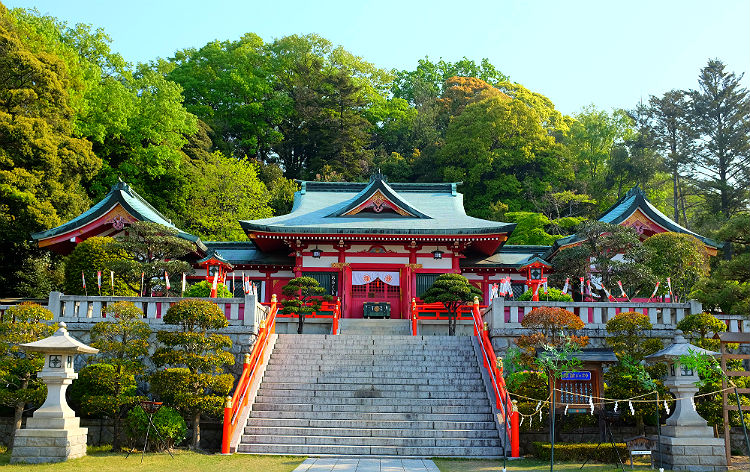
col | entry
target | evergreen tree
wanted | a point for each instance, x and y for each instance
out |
(453, 291)
(123, 344)
(674, 138)
(152, 249)
(194, 355)
(304, 295)
(720, 113)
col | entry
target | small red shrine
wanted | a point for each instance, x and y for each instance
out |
(362, 241)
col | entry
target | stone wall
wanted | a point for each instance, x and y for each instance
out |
(100, 432)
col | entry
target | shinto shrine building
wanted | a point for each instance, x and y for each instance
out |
(364, 242)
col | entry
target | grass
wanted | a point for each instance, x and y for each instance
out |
(100, 460)
(525, 465)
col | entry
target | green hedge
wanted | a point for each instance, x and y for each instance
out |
(580, 452)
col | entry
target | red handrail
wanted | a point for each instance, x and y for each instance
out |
(414, 316)
(502, 398)
(237, 402)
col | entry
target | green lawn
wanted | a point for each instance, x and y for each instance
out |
(524, 465)
(183, 462)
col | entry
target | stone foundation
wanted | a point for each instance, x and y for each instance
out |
(692, 454)
(37, 446)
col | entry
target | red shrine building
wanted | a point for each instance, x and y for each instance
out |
(364, 242)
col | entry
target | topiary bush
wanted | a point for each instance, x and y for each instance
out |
(578, 452)
(552, 295)
(202, 289)
(168, 422)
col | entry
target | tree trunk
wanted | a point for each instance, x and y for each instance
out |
(675, 196)
(116, 443)
(452, 324)
(18, 414)
(301, 323)
(196, 432)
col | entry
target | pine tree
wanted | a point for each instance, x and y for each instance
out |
(453, 291)
(195, 355)
(720, 112)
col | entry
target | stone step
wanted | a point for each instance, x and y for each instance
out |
(370, 441)
(379, 380)
(393, 364)
(360, 376)
(364, 416)
(353, 387)
(327, 408)
(405, 355)
(379, 369)
(364, 402)
(368, 424)
(384, 451)
(375, 432)
(289, 395)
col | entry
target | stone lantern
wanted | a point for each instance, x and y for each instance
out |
(687, 442)
(53, 433)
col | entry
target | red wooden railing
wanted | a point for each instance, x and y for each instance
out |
(437, 311)
(331, 310)
(237, 402)
(502, 398)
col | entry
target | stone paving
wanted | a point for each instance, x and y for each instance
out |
(345, 464)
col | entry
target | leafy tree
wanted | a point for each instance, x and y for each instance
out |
(595, 257)
(194, 355)
(228, 85)
(501, 149)
(22, 324)
(222, 191)
(593, 136)
(123, 344)
(549, 326)
(43, 163)
(627, 335)
(629, 378)
(152, 249)
(304, 295)
(530, 228)
(98, 253)
(699, 325)
(681, 257)
(728, 288)
(453, 291)
(202, 289)
(428, 78)
(40, 275)
(720, 113)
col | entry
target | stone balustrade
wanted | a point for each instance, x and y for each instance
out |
(504, 313)
(92, 309)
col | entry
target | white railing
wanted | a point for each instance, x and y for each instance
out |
(82, 309)
(509, 313)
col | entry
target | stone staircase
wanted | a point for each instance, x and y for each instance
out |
(382, 395)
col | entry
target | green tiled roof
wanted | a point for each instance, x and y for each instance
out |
(633, 200)
(123, 194)
(318, 204)
(508, 256)
(245, 253)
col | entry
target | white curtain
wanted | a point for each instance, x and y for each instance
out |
(365, 277)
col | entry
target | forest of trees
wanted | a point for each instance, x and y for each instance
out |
(219, 133)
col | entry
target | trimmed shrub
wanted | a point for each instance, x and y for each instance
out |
(202, 289)
(552, 295)
(169, 425)
(579, 452)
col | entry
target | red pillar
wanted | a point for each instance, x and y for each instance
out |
(347, 295)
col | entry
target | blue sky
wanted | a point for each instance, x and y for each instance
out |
(609, 53)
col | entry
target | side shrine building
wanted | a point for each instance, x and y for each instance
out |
(364, 242)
